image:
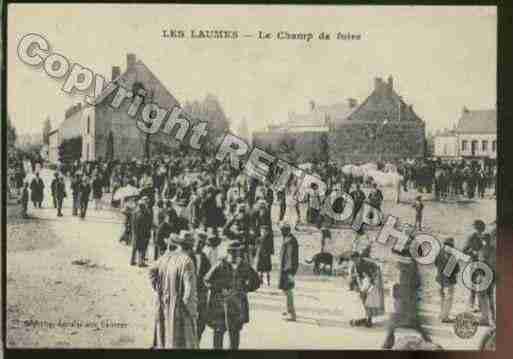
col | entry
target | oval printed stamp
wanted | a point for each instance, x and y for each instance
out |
(465, 325)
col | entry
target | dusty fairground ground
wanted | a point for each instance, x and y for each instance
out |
(69, 285)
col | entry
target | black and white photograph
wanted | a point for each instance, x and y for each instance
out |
(297, 177)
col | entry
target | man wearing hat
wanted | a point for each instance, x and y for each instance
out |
(228, 308)
(419, 208)
(163, 231)
(367, 280)
(472, 247)
(59, 193)
(37, 191)
(202, 265)
(447, 283)
(85, 193)
(53, 187)
(173, 278)
(288, 268)
(142, 224)
(211, 249)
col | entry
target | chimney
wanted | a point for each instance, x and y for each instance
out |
(116, 72)
(352, 102)
(130, 61)
(390, 82)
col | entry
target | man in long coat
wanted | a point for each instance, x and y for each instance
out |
(174, 281)
(53, 187)
(59, 194)
(230, 280)
(202, 265)
(37, 187)
(75, 190)
(472, 247)
(288, 268)
(142, 224)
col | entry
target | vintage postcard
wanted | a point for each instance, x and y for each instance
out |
(251, 176)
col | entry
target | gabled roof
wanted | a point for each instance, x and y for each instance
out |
(478, 121)
(143, 74)
(319, 116)
(384, 96)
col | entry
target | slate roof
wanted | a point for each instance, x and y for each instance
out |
(478, 121)
(162, 96)
(335, 112)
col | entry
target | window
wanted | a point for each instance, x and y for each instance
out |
(464, 145)
(474, 147)
(88, 124)
(494, 146)
(484, 146)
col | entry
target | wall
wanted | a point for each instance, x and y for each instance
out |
(72, 126)
(479, 138)
(446, 146)
(53, 147)
(350, 143)
(307, 144)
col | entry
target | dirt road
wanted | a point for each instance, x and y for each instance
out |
(73, 288)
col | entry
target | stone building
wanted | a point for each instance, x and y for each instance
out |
(53, 146)
(383, 127)
(477, 134)
(446, 145)
(305, 130)
(474, 137)
(109, 132)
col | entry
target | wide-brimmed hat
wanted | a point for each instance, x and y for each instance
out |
(261, 204)
(185, 237)
(285, 225)
(479, 224)
(200, 234)
(449, 242)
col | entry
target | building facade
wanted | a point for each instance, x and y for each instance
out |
(477, 134)
(111, 132)
(53, 146)
(446, 145)
(474, 137)
(382, 128)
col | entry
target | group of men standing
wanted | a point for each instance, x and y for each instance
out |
(194, 289)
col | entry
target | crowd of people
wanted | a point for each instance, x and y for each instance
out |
(211, 227)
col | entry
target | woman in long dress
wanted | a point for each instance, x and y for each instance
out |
(367, 280)
(263, 255)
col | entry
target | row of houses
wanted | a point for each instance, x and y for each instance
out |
(108, 132)
(382, 127)
(474, 137)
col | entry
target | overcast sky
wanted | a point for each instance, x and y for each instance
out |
(441, 58)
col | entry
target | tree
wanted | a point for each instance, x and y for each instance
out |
(47, 128)
(70, 149)
(110, 147)
(210, 111)
(10, 134)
